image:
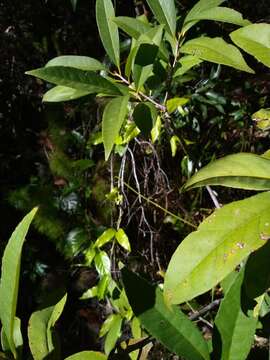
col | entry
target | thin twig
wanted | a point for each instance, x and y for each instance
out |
(205, 309)
(213, 197)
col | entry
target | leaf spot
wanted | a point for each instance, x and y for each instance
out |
(264, 236)
(240, 245)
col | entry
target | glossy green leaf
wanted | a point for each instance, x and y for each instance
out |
(106, 325)
(105, 237)
(122, 239)
(113, 334)
(222, 241)
(167, 324)
(222, 14)
(216, 50)
(37, 333)
(108, 30)
(144, 64)
(132, 26)
(145, 116)
(255, 40)
(87, 355)
(78, 62)
(165, 12)
(113, 117)
(234, 330)
(174, 103)
(103, 263)
(75, 78)
(9, 285)
(63, 93)
(55, 315)
(186, 63)
(200, 7)
(262, 119)
(243, 170)
(174, 142)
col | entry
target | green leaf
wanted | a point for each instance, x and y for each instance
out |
(105, 237)
(113, 117)
(63, 93)
(144, 64)
(198, 8)
(168, 325)
(165, 12)
(234, 330)
(9, 285)
(108, 30)
(75, 78)
(187, 62)
(106, 325)
(243, 170)
(145, 116)
(37, 333)
(78, 62)
(222, 241)
(174, 142)
(262, 119)
(55, 315)
(255, 40)
(122, 239)
(174, 103)
(74, 4)
(223, 14)
(87, 355)
(133, 27)
(103, 263)
(257, 272)
(113, 334)
(216, 50)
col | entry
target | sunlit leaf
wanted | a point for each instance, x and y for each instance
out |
(9, 285)
(222, 241)
(216, 50)
(243, 170)
(234, 330)
(255, 40)
(113, 334)
(167, 324)
(186, 63)
(78, 62)
(113, 117)
(122, 239)
(82, 80)
(262, 119)
(174, 103)
(105, 237)
(63, 93)
(132, 26)
(108, 30)
(165, 12)
(87, 355)
(198, 8)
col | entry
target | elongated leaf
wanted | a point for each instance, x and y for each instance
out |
(165, 12)
(144, 63)
(243, 170)
(132, 26)
(37, 333)
(255, 40)
(199, 7)
(187, 62)
(216, 50)
(221, 242)
(168, 325)
(63, 93)
(113, 334)
(87, 355)
(234, 330)
(105, 237)
(55, 315)
(223, 14)
(122, 239)
(103, 263)
(78, 62)
(145, 116)
(75, 78)
(113, 117)
(108, 30)
(10, 278)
